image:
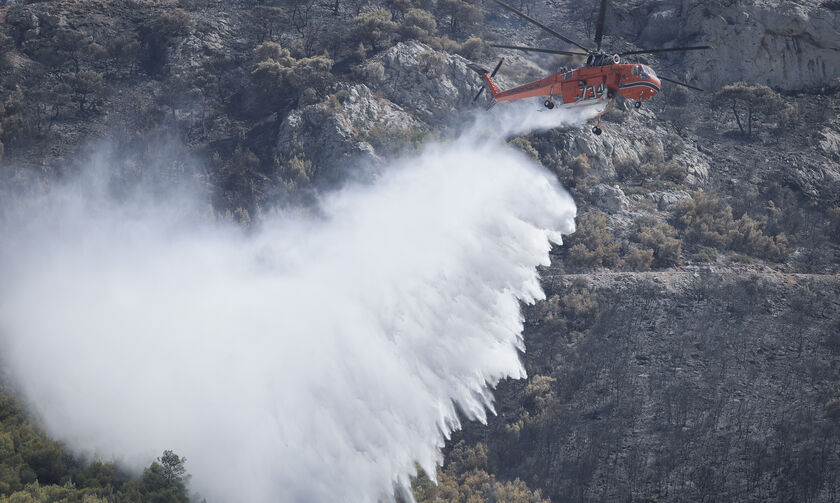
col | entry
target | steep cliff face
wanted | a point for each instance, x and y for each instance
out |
(786, 45)
(433, 85)
(332, 137)
(676, 386)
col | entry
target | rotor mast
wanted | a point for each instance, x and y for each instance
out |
(595, 57)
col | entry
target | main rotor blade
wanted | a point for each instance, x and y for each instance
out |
(677, 82)
(497, 68)
(599, 31)
(536, 49)
(478, 93)
(537, 23)
(672, 49)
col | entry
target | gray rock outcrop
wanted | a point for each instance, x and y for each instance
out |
(432, 85)
(610, 199)
(786, 45)
(333, 134)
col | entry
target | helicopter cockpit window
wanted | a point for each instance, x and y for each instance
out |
(636, 69)
(650, 71)
(643, 74)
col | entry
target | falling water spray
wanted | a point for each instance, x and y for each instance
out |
(317, 359)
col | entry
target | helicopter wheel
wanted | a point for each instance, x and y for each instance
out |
(637, 104)
(597, 131)
(549, 104)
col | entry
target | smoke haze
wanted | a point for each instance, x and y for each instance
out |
(315, 359)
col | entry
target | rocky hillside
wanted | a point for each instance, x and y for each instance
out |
(699, 384)
(688, 349)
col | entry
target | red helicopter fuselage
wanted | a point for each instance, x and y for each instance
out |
(584, 85)
(602, 79)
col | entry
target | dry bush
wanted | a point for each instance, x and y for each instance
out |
(709, 222)
(661, 239)
(375, 29)
(418, 24)
(638, 259)
(592, 245)
(473, 48)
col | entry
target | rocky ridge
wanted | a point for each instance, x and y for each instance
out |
(696, 379)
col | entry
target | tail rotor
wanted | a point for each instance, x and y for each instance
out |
(483, 72)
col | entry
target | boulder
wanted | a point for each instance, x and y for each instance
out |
(333, 138)
(431, 85)
(609, 198)
(665, 200)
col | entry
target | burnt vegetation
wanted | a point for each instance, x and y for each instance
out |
(700, 380)
(631, 399)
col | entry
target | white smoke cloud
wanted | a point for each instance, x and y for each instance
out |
(314, 360)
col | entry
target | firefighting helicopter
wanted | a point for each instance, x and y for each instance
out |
(597, 82)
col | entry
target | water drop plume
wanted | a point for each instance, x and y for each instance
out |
(316, 359)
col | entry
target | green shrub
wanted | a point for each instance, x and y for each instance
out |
(526, 147)
(580, 309)
(432, 63)
(705, 254)
(273, 51)
(539, 393)
(627, 170)
(705, 220)
(574, 173)
(69, 45)
(473, 48)
(464, 478)
(278, 77)
(399, 7)
(709, 222)
(654, 167)
(749, 238)
(34, 468)
(742, 258)
(639, 259)
(389, 140)
(445, 44)
(375, 29)
(592, 245)
(673, 172)
(659, 237)
(337, 100)
(418, 24)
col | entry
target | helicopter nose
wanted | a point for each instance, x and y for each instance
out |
(656, 82)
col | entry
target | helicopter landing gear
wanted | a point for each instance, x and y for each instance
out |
(549, 104)
(597, 129)
(637, 105)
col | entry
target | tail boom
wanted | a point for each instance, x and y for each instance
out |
(494, 89)
(487, 77)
